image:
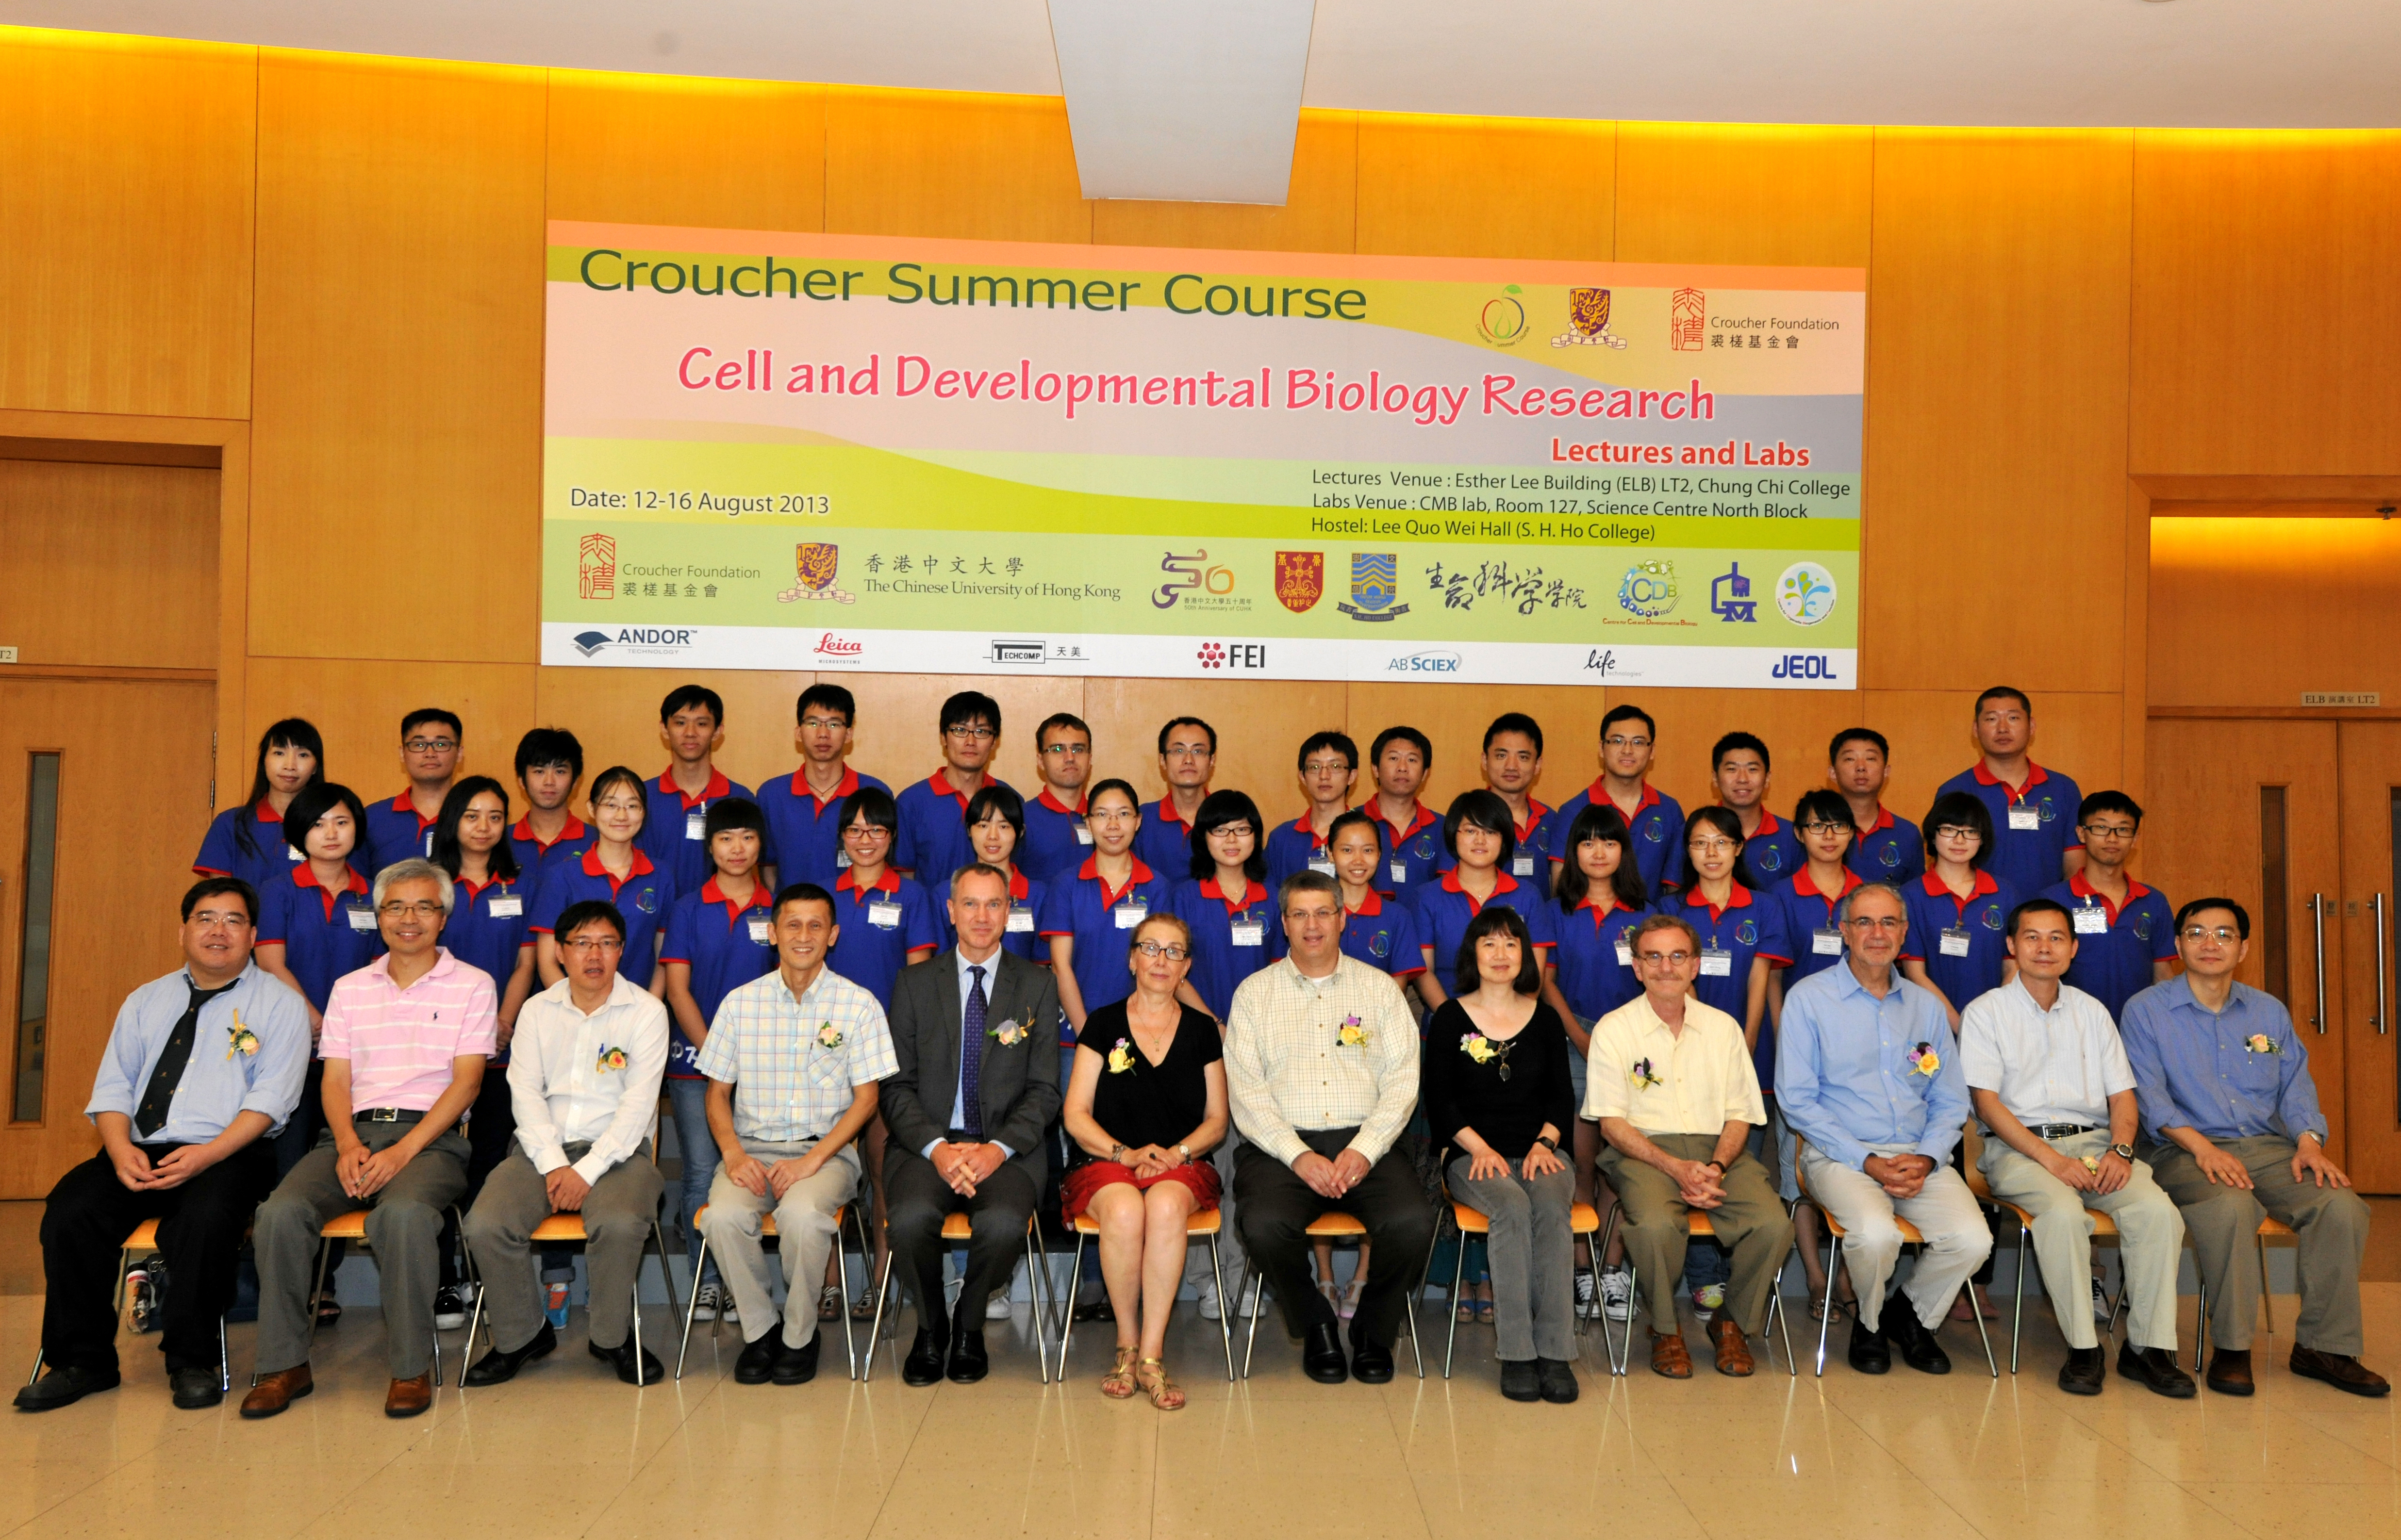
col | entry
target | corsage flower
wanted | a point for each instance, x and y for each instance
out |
(1121, 1059)
(1352, 1035)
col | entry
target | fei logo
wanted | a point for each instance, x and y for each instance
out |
(1730, 596)
(1244, 655)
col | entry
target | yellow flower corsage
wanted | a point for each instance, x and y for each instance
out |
(1352, 1035)
(1008, 1034)
(2259, 1042)
(241, 1038)
(611, 1060)
(1925, 1061)
(1121, 1059)
(1476, 1045)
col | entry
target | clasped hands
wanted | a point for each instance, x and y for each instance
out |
(1486, 1165)
(753, 1175)
(1150, 1161)
(1899, 1175)
(363, 1173)
(965, 1166)
(1331, 1179)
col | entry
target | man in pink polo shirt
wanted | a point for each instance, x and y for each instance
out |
(403, 1045)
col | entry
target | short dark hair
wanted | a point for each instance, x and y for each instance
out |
(1491, 918)
(1726, 822)
(873, 805)
(1390, 736)
(449, 853)
(621, 775)
(1217, 810)
(314, 801)
(2002, 693)
(1960, 810)
(1628, 713)
(2242, 916)
(685, 697)
(543, 746)
(1308, 879)
(965, 708)
(1485, 811)
(1828, 805)
(1115, 784)
(1665, 923)
(1599, 821)
(1339, 742)
(800, 893)
(1733, 741)
(1857, 735)
(1515, 721)
(1061, 719)
(434, 714)
(830, 697)
(1004, 800)
(585, 912)
(1354, 817)
(1174, 722)
(2037, 905)
(733, 812)
(210, 887)
(2107, 801)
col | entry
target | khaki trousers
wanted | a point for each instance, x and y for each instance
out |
(2151, 1239)
(1752, 1224)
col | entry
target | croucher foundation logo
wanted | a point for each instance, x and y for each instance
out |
(1688, 320)
(1375, 583)
(596, 567)
(1587, 320)
(814, 564)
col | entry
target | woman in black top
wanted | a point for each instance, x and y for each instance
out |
(1146, 1103)
(1497, 1093)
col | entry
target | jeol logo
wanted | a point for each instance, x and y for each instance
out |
(1805, 593)
(1375, 583)
(814, 564)
(1587, 320)
(839, 647)
(1501, 323)
(590, 642)
(1803, 665)
(1688, 318)
(596, 567)
(1299, 580)
(1730, 596)
(1431, 662)
(1649, 590)
(1186, 573)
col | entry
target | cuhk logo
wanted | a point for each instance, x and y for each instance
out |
(590, 642)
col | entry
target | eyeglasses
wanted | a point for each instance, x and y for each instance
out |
(603, 946)
(424, 909)
(2226, 933)
(429, 746)
(2108, 831)
(1663, 960)
(1817, 825)
(1876, 922)
(1108, 815)
(1956, 831)
(210, 918)
(1619, 740)
(978, 734)
(1153, 949)
(1067, 751)
(617, 804)
(1712, 846)
(1189, 751)
(823, 723)
(1324, 767)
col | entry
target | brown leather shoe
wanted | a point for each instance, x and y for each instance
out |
(2230, 1372)
(407, 1397)
(1669, 1356)
(1734, 1349)
(276, 1391)
(2338, 1370)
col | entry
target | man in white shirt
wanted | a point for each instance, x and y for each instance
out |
(1671, 1084)
(2050, 1080)
(1321, 1069)
(583, 1083)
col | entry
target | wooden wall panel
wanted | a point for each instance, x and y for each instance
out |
(1933, 739)
(358, 706)
(1485, 187)
(1996, 411)
(125, 225)
(2253, 612)
(952, 163)
(1259, 732)
(127, 564)
(735, 155)
(614, 713)
(398, 445)
(2266, 284)
(1716, 192)
(1319, 215)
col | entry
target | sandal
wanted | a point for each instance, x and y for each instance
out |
(1466, 1310)
(863, 1307)
(1165, 1393)
(830, 1302)
(1842, 1307)
(1117, 1385)
(1484, 1304)
(329, 1310)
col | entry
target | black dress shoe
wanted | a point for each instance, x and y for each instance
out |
(757, 1364)
(1918, 1348)
(2338, 1370)
(196, 1389)
(1871, 1350)
(1321, 1356)
(1557, 1379)
(64, 1387)
(1520, 1380)
(499, 1368)
(798, 1366)
(1371, 1363)
(923, 1364)
(647, 1371)
(969, 1361)
(2084, 1373)
(2230, 1372)
(2155, 1369)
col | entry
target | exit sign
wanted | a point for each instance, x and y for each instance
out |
(2339, 697)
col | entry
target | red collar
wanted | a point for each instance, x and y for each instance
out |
(1535, 812)
(1371, 905)
(717, 787)
(848, 784)
(1501, 883)
(1599, 919)
(403, 804)
(1166, 806)
(266, 811)
(1090, 871)
(1737, 897)
(1017, 884)
(1251, 892)
(848, 881)
(475, 889)
(306, 876)
(1766, 824)
(571, 830)
(1884, 821)
(591, 867)
(1303, 824)
(939, 784)
(2035, 776)
(1418, 819)
(2081, 889)
(1598, 794)
(1937, 887)
(1803, 888)
(1056, 806)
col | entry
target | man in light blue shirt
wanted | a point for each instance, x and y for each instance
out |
(1868, 1075)
(201, 1066)
(2231, 1128)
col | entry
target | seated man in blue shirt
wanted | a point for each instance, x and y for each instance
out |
(1867, 1073)
(2231, 1128)
(201, 1066)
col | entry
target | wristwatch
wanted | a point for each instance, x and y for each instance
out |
(1550, 1144)
(2123, 1152)
(1719, 1166)
(1117, 1152)
(1184, 1151)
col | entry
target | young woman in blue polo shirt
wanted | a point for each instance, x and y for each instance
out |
(1225, 900)
(1090, 915)
(995, 832)
(248, 841)
(615, 871)
(1481, 838)
(719, 936)
(1959, 910)
(1599, 890)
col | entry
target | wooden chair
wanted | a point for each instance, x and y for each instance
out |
(1910, 1235)
(767, 1233)
(956, 1230)
(1971, 1150)
(145, 1238)
(1583, 1220)
(1697, 1226)
(1332, 1225)
(352, 1226)
(1207, 1223)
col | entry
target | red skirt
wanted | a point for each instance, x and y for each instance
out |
(1075, 1193)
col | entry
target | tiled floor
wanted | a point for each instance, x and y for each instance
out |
(567, 1451)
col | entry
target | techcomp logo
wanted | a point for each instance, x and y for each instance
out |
(637, 638)
(1429, 662)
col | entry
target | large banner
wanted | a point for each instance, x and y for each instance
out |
(895, 454)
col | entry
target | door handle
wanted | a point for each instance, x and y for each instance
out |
(2383, 1016)
(2317, 922)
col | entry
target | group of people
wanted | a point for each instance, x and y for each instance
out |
(458, 1014)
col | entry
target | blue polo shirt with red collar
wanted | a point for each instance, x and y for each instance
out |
(1023, 935)
(1807, 913)
(1412, 856)
(1444, 909)
(222, 855)
(804, 831)
(1099, 922)
(1892, 851)
(933, 840)
(673, 834)
(642, 898)
(1962, 942)
(2027, 858)
(1658, 828)
(1748, 928)
(726, 944)
(396, 831)
(1230, 940)
(1591, 974)
(1295, 847)
(881, 925)
(1164, 841)
(323, 935)
(1056, 840)
(1771, 855)
(575, 836)
(2115, 944)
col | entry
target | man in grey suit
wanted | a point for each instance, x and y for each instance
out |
(976, 1029)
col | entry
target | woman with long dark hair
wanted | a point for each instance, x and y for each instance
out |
(247, 841)
(1225, 900)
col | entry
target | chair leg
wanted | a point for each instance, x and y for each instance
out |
(1783, 1316)
(2267, 1299)
(1067, 1326)
(1258, 1295)
(1826, 1307)
(1458, 1279)
(1039, 1286)
(875, 1328)
(2200, 1321)
(1608, 1339)
(842, 1282)
(698, 1263)
(2017, 1310)
(1224, 1322)
(666, 1274)
(1417, 1351)
(1990, 1363)
(225, 1363)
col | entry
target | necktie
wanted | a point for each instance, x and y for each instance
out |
(151, 1115)
(971, 1056)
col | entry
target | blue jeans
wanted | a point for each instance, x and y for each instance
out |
(698, 1149)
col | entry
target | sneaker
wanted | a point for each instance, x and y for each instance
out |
(1349, 1305)
(1209, 1310)
(2102, 1308)
(725, 1311)
(1617, 1294)
(146, 1296)
(452, 1307)
(1708, 1301)
(708, 1300)
(555, 1305)
(995, 1308)
(1587, 1287)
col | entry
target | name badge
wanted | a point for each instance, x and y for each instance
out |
(508, 906)
(842, 861)
(1826, 943)
(1130, 914)
(1716, 962)
(1522, 867)
(1022, 922)
(1322, 864)
(293, 855)
(1955, 942)
(1625, 953)
(695, 824)
(884, 915)
(759, 932)
(361, 920)
(1400, 870)
(2092, 920)
(1248, 933)
(1083, 834)
(2022, 817)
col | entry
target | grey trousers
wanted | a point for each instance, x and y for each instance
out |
(805, 1217)
(404, 1228)
(1751, 1224)
(618, 1213)
(2151, 1239)
(1533, 1255)
(2329, 1225)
